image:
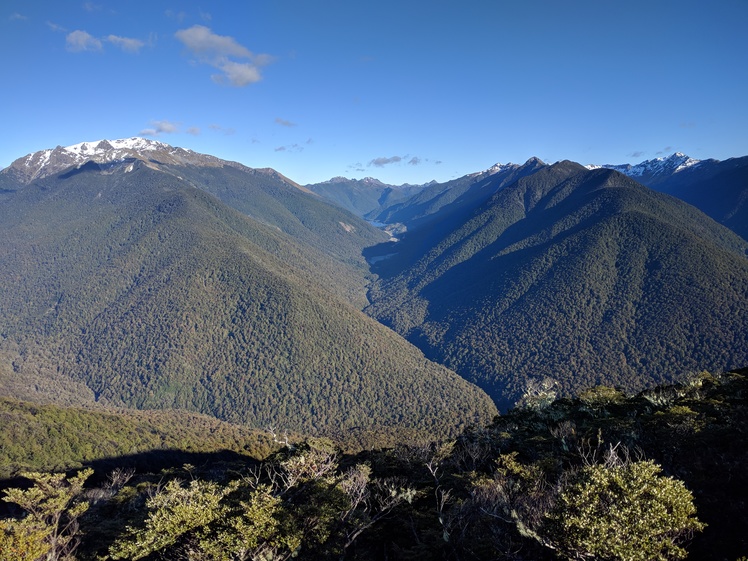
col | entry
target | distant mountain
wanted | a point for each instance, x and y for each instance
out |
(459, 193)
(584, 276)
(263, 194)
(45, 163)
(172, 284)
(651, 172)
(362, 197)
(718, 188)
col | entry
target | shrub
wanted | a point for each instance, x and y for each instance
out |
(627, 512)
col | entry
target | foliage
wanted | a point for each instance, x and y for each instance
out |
(23, 541)
(175, 511)
(50, 527)
(300, 501)
(601, 476)
(49, 437)
(627, 512)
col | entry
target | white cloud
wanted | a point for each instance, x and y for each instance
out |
(54, 27)
(219, 51)
(79, 41)
(160, 127)
(218, 128)
(284, 123)
(202, 41)
(237, 73)
(126, 44)
(15, 16)
(381, 162)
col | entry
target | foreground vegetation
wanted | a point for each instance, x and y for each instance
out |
(659, 475)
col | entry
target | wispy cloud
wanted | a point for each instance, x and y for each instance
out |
(194, 131)
(178, 16)
(357, 167)
(79, 41)
(224, 130)
(381, 162)
(91, 7)
(158, 128)
(127, 44)
(407, 159)
(637, 154)
(54, 27)
(221, 52)
(15, 16)
(290, 148)
(284, 123)
(665, 150)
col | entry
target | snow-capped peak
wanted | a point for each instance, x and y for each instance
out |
(497, 167)
(53, 161)
(103, 147)
(654, 168)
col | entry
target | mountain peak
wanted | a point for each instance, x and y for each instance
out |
(534, 161)
(54, 161)
(102, 147)
(653, 169)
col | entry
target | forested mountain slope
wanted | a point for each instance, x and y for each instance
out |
(584, 276)
(717, 188)
(362, 197)
(49, 437)
(440, 200)
(155, 294)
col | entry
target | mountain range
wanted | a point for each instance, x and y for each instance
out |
(141, 275)
(586, 277)
(146, 283)
(718, 188)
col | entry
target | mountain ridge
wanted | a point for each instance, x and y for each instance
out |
(156, 294)
(568, 270)
(51, 161)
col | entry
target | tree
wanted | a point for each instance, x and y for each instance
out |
(626, 512)
(50, 529)
(175, 513)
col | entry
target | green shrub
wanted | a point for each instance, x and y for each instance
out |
(627, 512)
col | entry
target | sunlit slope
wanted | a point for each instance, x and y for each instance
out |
(157, 295)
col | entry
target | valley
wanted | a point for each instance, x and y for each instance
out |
(164, 309)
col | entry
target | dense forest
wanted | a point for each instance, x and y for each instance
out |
(203, 361)
(138, 290)
(585, 274)
(657, 475)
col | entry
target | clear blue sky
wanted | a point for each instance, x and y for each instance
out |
(405, 91)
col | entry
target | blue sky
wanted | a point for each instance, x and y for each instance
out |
(405, 91)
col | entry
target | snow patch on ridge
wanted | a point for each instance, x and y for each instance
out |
(674, 163)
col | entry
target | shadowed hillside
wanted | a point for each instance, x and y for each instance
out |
(585, 276)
